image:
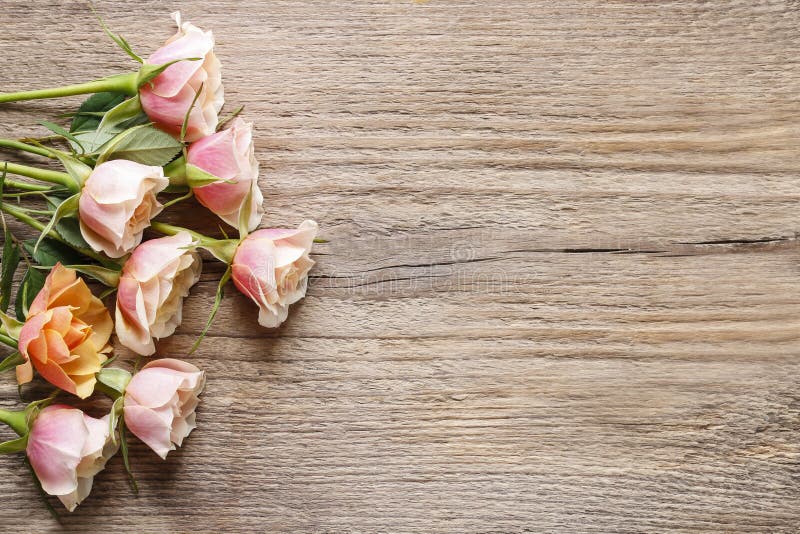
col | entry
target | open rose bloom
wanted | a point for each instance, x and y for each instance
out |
(66, 334)
(160, 401)
(167, 97)
(117, 203)
(154, 282)
(230, 156)
(271, 267)
(67, 448)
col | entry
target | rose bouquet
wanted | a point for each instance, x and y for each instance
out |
(140, 143)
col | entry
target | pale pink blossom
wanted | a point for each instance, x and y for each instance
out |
(168, 96)
(271, 267)
(160, 401)
(153, 284)
(230, 156)
(117, 203)
(67, 448)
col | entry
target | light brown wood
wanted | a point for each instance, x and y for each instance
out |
(562, 289)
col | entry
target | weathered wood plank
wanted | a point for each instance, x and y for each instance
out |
(561, 292)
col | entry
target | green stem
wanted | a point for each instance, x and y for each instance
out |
(222, 249)
(36, 212)
(121, 83)
(8, 340)
(24, 186)
(169, 229)
(38, 225)
(21, 216)
(16, 420)
(44, 175)
(181, 198)
(19, 145)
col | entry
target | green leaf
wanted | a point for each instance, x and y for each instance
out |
(71, 114)
(11, 255)
(143, 144)
(70, 230)
(29, 287)
(121, 113)
(10, 260)
(12, 361)
(214, 308)
(94, 140)
(124, 115)
(65, 209)
(109, 277)
(138, 120)
(15, 445)
(58, 130)
(12, 326)
(51, 252)
(93, 109)
(77, 169)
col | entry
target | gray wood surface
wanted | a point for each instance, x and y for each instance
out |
(561, 289)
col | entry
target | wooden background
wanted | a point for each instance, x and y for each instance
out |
(561, 292)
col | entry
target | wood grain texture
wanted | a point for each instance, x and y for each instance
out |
(561, 292)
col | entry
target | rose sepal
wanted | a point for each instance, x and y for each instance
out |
(21, 422)
(112, 381)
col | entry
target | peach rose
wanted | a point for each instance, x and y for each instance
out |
(271, 267)
(168, 96)
(117, 203)
(65, 335)
(154, 281)
(67, 448)
(160, 401)
(229, 155)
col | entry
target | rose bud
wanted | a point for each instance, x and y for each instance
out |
(116, 205)
(230, 156)
(271, 267)
(66, 449)
(154, 281)
(160, 401)
(168, 96)
(65, 335)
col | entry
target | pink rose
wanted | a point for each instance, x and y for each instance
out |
(229, 155)
(271, 267)
(67, 448)
(168, 96)
(116, 205)
(154, 281)
(160, 401)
